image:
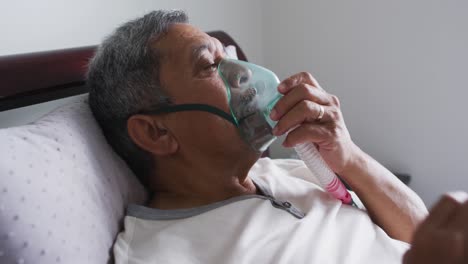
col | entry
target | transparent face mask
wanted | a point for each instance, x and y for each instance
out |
(252, 93)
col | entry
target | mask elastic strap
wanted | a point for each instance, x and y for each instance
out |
(195, 107)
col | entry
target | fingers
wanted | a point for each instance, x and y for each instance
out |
(436, 247)
(297, 94)
(458, 226)
(303, 77)
(311, 132)
(304, 111)
(443, 236)
(304, 101)
(459, 220)
(442, 212)
(449, 244)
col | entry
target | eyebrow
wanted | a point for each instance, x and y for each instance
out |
(199, 49)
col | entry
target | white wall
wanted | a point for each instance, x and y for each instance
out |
(399, 68)
(29, 26)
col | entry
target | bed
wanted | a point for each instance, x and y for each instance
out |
(63, 191)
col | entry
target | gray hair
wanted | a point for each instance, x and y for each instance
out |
(123, 79)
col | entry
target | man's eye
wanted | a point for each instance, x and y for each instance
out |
(212, 67)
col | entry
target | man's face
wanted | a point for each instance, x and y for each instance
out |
(188, 74)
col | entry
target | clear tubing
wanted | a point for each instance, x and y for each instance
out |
(327, 178)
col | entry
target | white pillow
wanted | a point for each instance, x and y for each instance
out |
(231, 52)
(63, 191)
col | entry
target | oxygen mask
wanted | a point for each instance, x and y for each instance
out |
(252, 93)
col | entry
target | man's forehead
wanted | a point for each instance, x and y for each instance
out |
(185, 39)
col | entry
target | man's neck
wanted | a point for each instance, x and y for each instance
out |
(181, 184)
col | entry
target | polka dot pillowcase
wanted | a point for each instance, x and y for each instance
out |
(63, 191)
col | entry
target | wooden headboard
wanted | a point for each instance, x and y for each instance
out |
(32, 78)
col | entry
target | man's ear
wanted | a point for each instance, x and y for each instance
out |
(151, 135)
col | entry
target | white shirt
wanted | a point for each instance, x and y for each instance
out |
(297, 222)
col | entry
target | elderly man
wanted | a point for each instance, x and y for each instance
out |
(213, 200)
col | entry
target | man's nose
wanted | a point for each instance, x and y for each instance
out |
(235, 74)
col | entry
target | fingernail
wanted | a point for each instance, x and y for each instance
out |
(281, 88)
(273, 114)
